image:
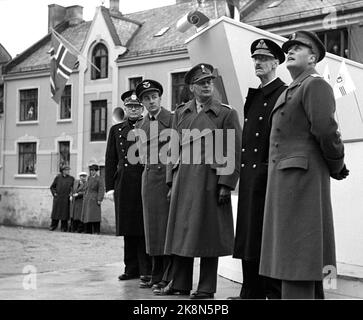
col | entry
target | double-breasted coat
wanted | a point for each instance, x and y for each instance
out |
(154, 187)
(79, 187)
(95, 191)
(198, 225)
(125, 179)
(305, 149)
(61, 189)
(253, 175)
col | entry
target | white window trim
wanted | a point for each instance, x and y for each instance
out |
(127, 80)
(26, 139)
(170, 82)
(64, 138)
(18, 122)
(91, 48)
(59, 120)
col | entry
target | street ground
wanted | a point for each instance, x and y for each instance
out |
(36, 264)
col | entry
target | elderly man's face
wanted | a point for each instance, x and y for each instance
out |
(264, 65)
(203, 89)
(83, 178)
(134, 111)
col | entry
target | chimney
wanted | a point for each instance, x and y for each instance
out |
(56, 15)
(74, 15)
(115, 5)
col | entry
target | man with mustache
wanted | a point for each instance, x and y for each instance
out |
(266, 56)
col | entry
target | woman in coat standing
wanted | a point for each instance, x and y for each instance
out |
(61, 189)
(79, 189)
(91, 210)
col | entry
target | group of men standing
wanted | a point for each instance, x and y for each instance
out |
(170, 212)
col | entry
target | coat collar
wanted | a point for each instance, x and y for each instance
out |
(213, 105)
(271, 87)
(305, 74)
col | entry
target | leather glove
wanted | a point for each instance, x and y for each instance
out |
(224, 195)
(341, 175)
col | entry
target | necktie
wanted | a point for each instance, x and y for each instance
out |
(152, 118)
(199, 108)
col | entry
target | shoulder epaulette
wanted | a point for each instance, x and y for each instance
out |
(316, 75)
(226, 105)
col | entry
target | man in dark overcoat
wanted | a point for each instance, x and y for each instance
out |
(154, 188)
(123, 181)
(298, 243)
(61, 189)
(78, 192)
(266, 56)
(200, 220)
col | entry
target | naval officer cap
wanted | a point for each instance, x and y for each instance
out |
(148, 85)
(267, 47)
(130, 98)
(199, 72)
(308, 39)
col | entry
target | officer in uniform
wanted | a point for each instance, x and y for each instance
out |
(154, 188)
(305, 151)
(266, 56)
(200, 218)
(123, 181)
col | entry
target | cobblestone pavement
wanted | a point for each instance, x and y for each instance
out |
(39, 264)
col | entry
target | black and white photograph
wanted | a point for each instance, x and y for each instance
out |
(179, 156)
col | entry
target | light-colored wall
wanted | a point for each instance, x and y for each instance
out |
(47, 131)
(32, 207)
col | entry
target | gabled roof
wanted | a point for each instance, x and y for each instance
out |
(4, 55)
(135, 31)
(290, 10)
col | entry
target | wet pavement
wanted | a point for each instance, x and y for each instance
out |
(36, 264)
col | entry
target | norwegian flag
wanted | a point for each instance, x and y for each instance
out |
(62, 62)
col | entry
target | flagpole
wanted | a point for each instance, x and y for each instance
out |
(356, 100)
(75, 49)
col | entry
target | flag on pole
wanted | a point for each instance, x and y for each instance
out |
(326, 74)
(343, 83)
(62, 62)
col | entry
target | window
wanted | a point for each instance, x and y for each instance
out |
(335, 41)
(100, 60)
(65, 103)
(29, 105)
(179, 90)
(133, 82)
(64, 153)
(98, 120)
(27, 158)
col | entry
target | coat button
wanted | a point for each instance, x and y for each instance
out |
(123, 150)
(119, 129)
(125, 164)
(260, 118)
(255, 150)
(243, 150)
(265, 104)
(257, 134)
(147, 168)
(246, 120)
(120, 136)
(242, 165)
(254, 166)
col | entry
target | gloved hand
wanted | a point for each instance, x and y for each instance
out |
(109, 195)
(341, 175)
(224, 195)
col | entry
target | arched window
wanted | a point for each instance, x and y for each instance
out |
(100, 60)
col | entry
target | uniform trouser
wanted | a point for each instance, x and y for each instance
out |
(182, 274)
(137, 261)
(160, 268)
(92, 227)
(256, 286)
(302, 290)
(76, 225)
(64, 224)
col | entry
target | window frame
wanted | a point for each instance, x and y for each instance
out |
(18, 110)
(59, 109)
(19, 173)
(99, 136)
(97, 75)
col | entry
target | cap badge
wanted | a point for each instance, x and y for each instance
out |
(133, 97)
(146, 84)
(203, 68)
(261, 45)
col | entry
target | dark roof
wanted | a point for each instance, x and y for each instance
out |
(135, 31)
(4, 55)
(290, 10)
